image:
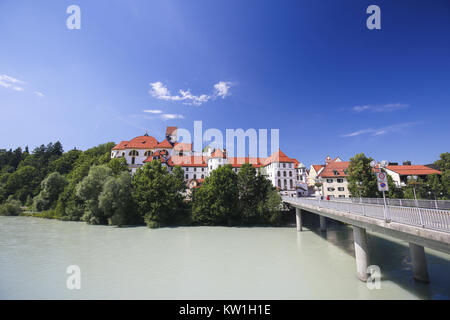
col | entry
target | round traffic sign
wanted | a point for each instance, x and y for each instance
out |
(381, 176)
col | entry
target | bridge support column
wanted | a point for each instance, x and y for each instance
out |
(419, 262)
(323, 223)
(298, 219)
(361, 252)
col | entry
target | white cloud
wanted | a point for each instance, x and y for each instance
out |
(380, 131)
(153, 111)
(222, 89)
(39, 94)
(171, 116)
(389, 107)
(10, 82)
(160, 91)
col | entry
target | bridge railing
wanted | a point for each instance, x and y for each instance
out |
(434, 219)
(422, 203)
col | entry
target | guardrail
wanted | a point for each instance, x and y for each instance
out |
(434, 219)
(421, 203)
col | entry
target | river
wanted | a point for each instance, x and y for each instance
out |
(204, 263)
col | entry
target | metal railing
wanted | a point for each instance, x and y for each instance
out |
(434, 219)
(421, 203)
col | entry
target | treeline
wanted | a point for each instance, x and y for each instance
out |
(362, 181)
(89, 186)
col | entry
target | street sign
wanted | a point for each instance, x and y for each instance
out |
(382, 186)
(381, 177)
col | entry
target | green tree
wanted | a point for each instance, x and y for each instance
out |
(359, 170)
(116, 200)
(118, 165)
(89, 190)
(250, 193)
(10, 208)
(157, 194)
(51, 188)
(394, 191)
(444, 165)
(216, 202)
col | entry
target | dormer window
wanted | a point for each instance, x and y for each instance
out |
(336, 173)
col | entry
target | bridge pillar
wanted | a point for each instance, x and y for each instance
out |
(361, 252)
(323, 223)
(298, 219)
(419, 262)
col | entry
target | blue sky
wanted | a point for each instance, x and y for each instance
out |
(309, 68)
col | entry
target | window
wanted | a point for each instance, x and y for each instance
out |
(187, 176)
(195, 169)
(329, 180)
(341, 189)
(133, 153)
(203, 176)
(278, 173)
(290, 173)
(148, 153)
(284, 173)
(133, 160)
(291, 184)
(195, 176)
(335, 172)
(340, 180)
(341, 196)
(279, 183)
(284, 165)
(330, 189)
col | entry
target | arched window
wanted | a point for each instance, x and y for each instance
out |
(278, 173)
(187, 176)
(195, 176)
(284, 173)
(148, 153)
(279, 183)
(133, 153)
(290, 173)
(203, 176)
(292, 186)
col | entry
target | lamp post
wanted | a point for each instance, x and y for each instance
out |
(381, 165)
(359, 186)
(319, 186)
(412, 180)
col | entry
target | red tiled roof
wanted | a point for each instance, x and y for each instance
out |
(335, 167)
(317, 167)
(183, 146)
(120, 146)
(237, 162)
(164, 144)
(417, 170)
(187, 161)
(170, 130)
(141, 142)
(278, 156)
(218, 154)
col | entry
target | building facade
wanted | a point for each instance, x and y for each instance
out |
(286, 174)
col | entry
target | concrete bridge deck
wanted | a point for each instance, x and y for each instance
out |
(420, 227)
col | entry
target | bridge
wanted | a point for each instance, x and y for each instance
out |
(420, 227)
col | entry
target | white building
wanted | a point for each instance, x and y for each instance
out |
(286, 174)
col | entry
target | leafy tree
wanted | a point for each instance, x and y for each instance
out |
(157, 193)
(394, 191)
(10, 208)
(21, 183)
(249, 193)
(359, 170)
(216, 202)
(89, 190)
(116, 200)
(118, 165)
(51, 188)
(444, 165)
(65, 163)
